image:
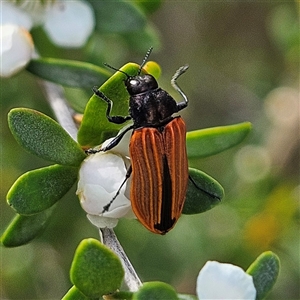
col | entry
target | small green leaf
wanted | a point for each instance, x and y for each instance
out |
(44, 137)
(39, 189)
(96, 270)
(203, 193)
(68, 72)
(264, 270)
(148, 6)
(155, 290)
(95, 128)
(210, 141)
(75, 294)
(118, 16)
(23, 229)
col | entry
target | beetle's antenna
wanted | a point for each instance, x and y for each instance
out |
(145, 59)
(109, 66)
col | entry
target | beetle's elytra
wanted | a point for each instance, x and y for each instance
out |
(159, 166)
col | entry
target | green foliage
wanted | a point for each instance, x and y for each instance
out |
(36, 191)
(95, 127)
(23, 229)
(210, 141)
(264, 270)
(203, 193)
(155, 290)
(42, 136)
(75, 294)
(68, 73)
(148, 6)
(95, 269)
(39, 189)
(111, 12)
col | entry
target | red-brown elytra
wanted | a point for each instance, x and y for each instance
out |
(159, 165)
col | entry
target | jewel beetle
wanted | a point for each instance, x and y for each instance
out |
(159, 165)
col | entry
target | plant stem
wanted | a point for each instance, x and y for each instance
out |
(110, 240)
(64, 115)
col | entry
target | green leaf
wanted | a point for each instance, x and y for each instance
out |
(23, 229)
(75, 294)
(203, 193)
(141, 40)
(148, 6)
(95, 128)
(210, 141)
(96, 270)
(155, 290)
(39, 189)
(44, 137)
(68, 72)
(264, 270)
(118, 16)
(123, 295)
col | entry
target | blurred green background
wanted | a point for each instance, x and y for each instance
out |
(244, 66)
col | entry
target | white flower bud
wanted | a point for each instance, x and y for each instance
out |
(16, 49)
(69, 23)
(224, 281)
(100, 177)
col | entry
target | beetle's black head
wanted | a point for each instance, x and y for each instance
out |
(140, 84)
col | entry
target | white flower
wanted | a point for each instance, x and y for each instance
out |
(16, 49)
(68, 24)
(100, 177)
(224, 281)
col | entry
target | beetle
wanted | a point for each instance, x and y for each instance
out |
(159, 165)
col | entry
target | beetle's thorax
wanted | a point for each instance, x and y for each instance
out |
(153, 108)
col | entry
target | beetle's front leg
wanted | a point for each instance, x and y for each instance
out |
(179, 72)
(114, 142)
(112, 119)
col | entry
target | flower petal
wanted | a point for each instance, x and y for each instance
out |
(224, 281)
(100, 177)
(69, 23)
(102, 222)
(16, 49)
(123, 146)
(10, 14)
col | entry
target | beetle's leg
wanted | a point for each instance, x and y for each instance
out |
(113, 119)
(112, 143)
(203, 190)
(107, 206)
(180, 71)
(117, 139)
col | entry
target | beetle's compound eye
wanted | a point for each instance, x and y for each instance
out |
(134, 82)
(140, 84)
